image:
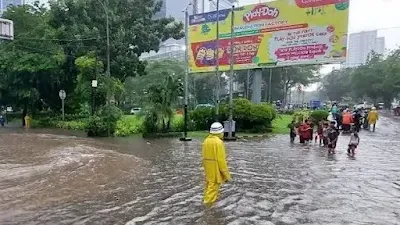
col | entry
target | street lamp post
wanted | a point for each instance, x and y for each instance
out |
(185, 109)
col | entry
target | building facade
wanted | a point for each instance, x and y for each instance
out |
(361, 45)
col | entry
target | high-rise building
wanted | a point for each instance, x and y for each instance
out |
(5, 3)
(176, 48)
(174, 8)
(361, 45)
(380, 45)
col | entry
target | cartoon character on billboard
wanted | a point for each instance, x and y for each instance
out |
(205, 29)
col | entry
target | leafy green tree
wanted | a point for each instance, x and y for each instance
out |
(337, 84)
(133, 30)
(377, 80)
(30, 74)
(156, 71)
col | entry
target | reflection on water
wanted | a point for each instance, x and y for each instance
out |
(47, 177)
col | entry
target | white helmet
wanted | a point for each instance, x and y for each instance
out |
(216, 128)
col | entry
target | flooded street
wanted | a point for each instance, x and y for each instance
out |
(50, 178)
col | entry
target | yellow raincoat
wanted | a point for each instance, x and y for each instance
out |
(373, 116)
(215, 167)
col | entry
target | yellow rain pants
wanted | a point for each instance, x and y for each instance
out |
(215, 167)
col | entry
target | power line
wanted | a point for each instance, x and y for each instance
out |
(55, 39)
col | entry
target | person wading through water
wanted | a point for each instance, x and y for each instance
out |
(214, 163)
(373, 116)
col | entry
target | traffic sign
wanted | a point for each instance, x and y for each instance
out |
(6, 29)
(62, 94)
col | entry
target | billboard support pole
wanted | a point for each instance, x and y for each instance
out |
(248, 85)
(270, 85)
(232, 58)
(256, 86)
(185, 109)
(216, 57)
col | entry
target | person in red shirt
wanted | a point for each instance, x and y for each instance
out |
(304, 132)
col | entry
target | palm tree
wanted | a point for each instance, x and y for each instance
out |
(162, 98)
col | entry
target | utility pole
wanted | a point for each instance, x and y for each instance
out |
(108, 43)
(107, 35)
(185, 109)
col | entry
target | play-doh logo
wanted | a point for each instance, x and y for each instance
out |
(261, 12)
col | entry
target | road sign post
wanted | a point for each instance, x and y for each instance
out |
(6, 29)
(62, 95)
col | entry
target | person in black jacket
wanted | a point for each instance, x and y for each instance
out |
(357, 120)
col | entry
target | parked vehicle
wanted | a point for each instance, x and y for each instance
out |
(135, 111)
(204, 106)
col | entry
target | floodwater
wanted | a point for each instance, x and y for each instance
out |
(52, 177)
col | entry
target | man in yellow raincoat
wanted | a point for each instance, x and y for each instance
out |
(214, 163)
(373, 116)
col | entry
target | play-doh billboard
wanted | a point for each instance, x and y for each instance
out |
(271, 34)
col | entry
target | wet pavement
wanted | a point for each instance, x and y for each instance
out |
(49, 177)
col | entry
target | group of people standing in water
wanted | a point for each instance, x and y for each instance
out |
(328, 131)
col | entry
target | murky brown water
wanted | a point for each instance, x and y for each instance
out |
(63, 179)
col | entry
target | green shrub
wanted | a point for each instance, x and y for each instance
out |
(104, 123)
(300, 116)
(149, 125)
(319, 115)
(178, 123)
(128, 125)
(286, 111)
(85, 110)
(201, 118)
(96, 127)
(250, 117)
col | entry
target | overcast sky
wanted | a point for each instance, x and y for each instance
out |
(381, 15)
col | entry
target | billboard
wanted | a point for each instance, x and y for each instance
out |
(271, 34)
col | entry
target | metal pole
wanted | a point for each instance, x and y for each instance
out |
(185, 109)
(216, 57)
(63, 109)
(107, 35)
(248, 85)
(108, 42)
(231, 74)
(94, 89)
(270, 85)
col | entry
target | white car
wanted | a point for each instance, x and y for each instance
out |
(364, 105)
(135, 111)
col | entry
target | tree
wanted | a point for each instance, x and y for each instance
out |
(155, 72)
(30, 68)
(377, 80)
(161, 97)
(337, 84)
(133, 30)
